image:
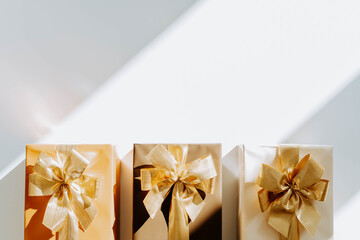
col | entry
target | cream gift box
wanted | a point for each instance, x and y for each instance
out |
(253, 223)
(191, 191)
(82, 179)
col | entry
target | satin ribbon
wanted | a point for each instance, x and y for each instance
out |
(289, 193)
(62, 178)
(171, 172)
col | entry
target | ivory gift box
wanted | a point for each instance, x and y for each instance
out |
(71, 192)
(177, 191)
(286, 192)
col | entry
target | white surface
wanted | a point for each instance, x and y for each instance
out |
(346, 219)
(214, 78)
(228, 71)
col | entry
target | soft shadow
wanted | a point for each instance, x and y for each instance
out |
(140, 214)
(338, 124)
(38, 204)
(210, 229)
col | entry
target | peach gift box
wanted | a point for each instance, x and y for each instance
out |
(104, 165)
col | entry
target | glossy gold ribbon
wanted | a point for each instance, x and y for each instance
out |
(62, 178)
(171, 171)
(289, 193)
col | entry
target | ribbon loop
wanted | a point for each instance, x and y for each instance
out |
(309, 172)
(69, 188)
(271, 179)
(289, 157)
(40, 186)
(172, 173)
(264, 200)
(179, 152)
(161, 158)
(75, 165)
(318, 190)
(288, 193)
(199, 170)
(89, 186)
(45, 166)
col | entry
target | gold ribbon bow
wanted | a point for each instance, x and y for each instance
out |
(170, 171)
(70, 206)
(289, 193)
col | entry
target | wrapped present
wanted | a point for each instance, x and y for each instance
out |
(177, 192)
(71, 192)
(286, 192)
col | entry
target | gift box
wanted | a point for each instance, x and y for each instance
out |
(286, 192)
(71, 192)
(177, 191)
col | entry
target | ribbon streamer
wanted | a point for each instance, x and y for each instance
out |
(62, 178)
(171, 172)
(289, 193)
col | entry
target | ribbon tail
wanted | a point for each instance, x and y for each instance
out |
(280, 220)
(178, 218)
(293, 230)
(154, 199)
(56, 211)
(70, 230)
(192, 202)
(308, 216)
(83, 208)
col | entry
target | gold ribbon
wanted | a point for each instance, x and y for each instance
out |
(289, 193)
(62, 178)
(171, 171)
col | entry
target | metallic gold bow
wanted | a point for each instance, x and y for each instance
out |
(171, 171)
(289, 193)
(70, 206)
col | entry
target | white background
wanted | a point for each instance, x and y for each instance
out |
(229, 71)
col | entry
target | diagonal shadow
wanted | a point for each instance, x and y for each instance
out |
(59, 48)
(338, 124)
(114, 33)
